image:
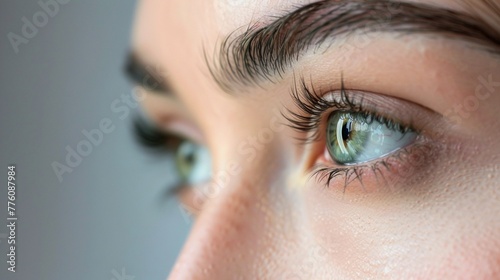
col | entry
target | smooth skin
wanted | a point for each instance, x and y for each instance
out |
(262, 216)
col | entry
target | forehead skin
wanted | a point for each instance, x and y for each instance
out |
(177, 32)
(173, 34)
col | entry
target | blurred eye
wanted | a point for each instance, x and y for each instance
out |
(354, 137)
(193, 163)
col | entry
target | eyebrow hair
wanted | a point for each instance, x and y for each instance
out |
(264, 53)
(145, 75)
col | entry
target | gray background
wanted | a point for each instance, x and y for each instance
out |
(110, 213)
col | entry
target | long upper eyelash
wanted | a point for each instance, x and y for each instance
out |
(312, 106)
(148, 135)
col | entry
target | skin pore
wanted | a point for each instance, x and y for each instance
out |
(427, 211)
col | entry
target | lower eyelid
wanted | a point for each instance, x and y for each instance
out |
(396, 172)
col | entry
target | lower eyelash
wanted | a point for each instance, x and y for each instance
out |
(401, 164)
(309, 121)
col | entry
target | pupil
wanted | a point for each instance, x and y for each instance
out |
(346, 130)
(190, 158)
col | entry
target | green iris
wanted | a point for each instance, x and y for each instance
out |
(193, 162)
(356, 137)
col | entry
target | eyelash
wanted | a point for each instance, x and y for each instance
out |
(309, 122)
(313, 108)
(149, 136)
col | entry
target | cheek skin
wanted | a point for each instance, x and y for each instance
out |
(446, 227)
(472, 259)
(258, 229)
(448, 233)
(361, 250)
(251, 228)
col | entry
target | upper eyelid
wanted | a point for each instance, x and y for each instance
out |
(151, 136)
(312, 108)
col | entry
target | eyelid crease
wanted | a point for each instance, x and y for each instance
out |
(313, 105)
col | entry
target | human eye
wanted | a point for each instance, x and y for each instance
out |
(190, 161)
(355, 137)
(358, 135)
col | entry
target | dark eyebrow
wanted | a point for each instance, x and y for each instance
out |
(148, 76)
(264, 53)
